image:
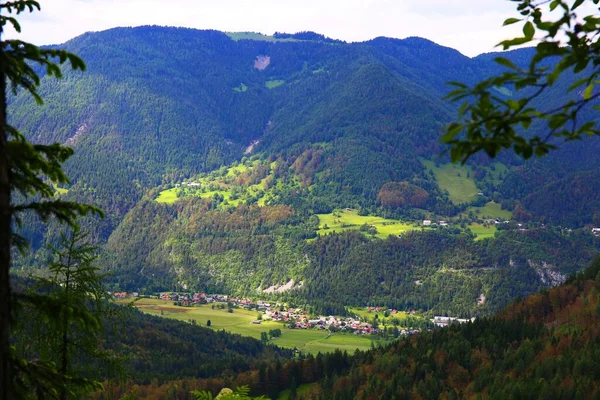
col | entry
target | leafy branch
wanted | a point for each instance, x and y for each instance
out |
(490, 123)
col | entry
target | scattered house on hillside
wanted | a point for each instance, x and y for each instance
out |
(445, 321)
(443, 223)
(596, 231)
(427, 222)
(442, 321)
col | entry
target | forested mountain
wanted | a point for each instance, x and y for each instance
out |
(259, 139)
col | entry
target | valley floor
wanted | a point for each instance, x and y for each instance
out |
(240, 321)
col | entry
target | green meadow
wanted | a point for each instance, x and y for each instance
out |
(483, 232)
(240, 321)
(491, 210)
(240, 89)
(221, 182)
(274, 83)
(339, 221)
(456, 179)
(256, 36)
(168, 196)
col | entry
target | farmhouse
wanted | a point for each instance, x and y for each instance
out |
(596, 231)
(427, 222)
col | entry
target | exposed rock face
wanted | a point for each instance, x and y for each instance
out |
(283, 288)
(262, 62)
(547, 273)
(81, 130)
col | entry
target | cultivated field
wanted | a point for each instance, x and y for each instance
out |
(350, 220)
(240, 321)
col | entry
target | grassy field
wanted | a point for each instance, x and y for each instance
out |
(274, 83)
(240, 321)
(223, 180)
(350, 220)
(483, 232)
(256, 36)
(455, 179)
(240, 89)
(491, 210)
(168, 196)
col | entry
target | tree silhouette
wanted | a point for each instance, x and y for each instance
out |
(29, 171)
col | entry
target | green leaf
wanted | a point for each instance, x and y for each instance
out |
(505, 62)
(506, 44)
(511, 21)
(554, 4)
(528, 30)
(452, 131)
(578, 83)
(587, 94)
(557, 121)
(577, 4)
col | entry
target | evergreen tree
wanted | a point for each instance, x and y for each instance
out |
(27, 174)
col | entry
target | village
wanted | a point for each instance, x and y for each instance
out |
(292, 318)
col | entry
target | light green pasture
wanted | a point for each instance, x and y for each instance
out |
(240, 321)
(491, 210)
(240, 89)
(454, 179)
(274, 83)
(168, 196)
(483, 232)
(256, 36)
(350, 220)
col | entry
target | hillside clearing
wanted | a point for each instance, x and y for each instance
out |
(483, 232)
(456, 179)
(340, 221)
(274, 83)
(491, 210)
(168, 196)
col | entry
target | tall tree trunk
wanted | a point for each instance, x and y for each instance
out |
(64, 349)
(5, 243)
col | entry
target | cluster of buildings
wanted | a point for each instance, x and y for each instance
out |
(428, 222)
(445, 321)
(190, 299)
(123, 295)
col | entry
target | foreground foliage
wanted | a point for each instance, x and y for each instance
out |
(567, 42)
(27, 175)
